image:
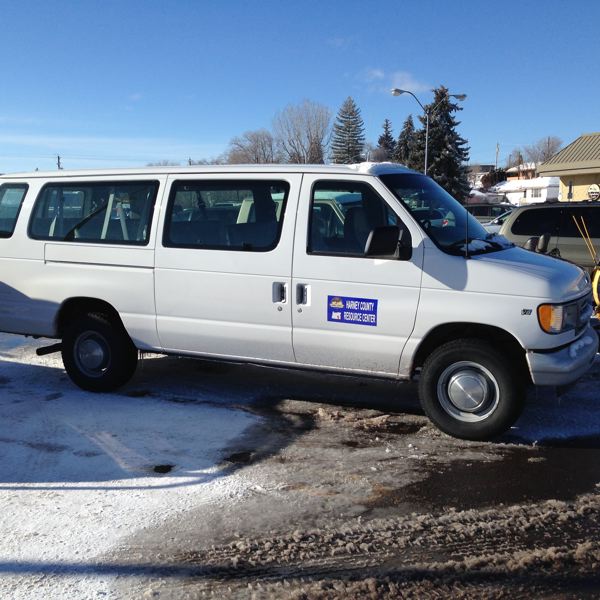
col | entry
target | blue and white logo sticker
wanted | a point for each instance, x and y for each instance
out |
(356, 311)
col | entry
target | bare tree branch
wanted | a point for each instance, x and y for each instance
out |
(302, 132)
(252, 147)
(543, 149)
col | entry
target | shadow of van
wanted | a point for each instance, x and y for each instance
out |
(193, 419)
(52, 433)
(548, 419)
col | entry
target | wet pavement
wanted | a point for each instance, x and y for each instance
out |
(520, 476)
(361, 496)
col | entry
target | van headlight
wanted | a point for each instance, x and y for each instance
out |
(558, 318)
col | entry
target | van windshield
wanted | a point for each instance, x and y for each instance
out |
(444, 220)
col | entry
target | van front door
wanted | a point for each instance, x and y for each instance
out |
(223, 269)
(351, 311)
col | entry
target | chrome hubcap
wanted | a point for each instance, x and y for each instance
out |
(468, 391)
(92, 354)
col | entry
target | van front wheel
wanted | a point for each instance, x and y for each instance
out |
(469, 391)
(98, 355)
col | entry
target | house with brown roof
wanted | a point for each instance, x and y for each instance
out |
(578, 166)
(522, 171)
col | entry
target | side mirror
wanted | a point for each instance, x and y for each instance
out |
(389, 242)
(404, 245)
(531, 243)
(543, 243)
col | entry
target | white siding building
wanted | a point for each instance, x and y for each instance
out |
(529, 191)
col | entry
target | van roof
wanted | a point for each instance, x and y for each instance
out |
(364, 168)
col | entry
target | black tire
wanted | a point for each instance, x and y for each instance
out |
(97, 353)
(469, 390)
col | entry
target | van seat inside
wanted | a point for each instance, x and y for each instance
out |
(253, 235)
(194, 233)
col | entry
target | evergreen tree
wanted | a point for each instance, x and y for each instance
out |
(448, 152)
(386, 143)
(348, 138)
(416, 158)
(406, 141)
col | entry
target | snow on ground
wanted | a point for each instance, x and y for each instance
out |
(77, 470)
(573, 414)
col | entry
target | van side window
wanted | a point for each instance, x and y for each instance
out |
(537, 221)
(343, 214)
(591, 219)
(225, 215)
(11, 198)
(112, 213)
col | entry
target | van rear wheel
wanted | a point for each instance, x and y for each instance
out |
(469, 390)
(97, 353)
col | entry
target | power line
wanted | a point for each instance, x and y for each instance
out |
(63, 157)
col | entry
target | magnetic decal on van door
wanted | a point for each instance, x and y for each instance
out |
(357, 311)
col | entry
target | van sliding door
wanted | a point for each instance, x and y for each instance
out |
(223, 266)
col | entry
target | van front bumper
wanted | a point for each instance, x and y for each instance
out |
(566, 365)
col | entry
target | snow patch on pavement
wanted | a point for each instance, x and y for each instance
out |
(78, 472)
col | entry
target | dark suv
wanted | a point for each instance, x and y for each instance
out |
(557, 220)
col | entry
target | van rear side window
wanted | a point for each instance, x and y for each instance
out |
(537, 221)
(112, 213)
(11, 198)
(226, 215)
(588, 216)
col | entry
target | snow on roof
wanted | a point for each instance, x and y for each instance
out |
(528, 166)
(378, 168)
(477, 193)
(519, 185)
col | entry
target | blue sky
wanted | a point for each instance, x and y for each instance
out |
(123, 83)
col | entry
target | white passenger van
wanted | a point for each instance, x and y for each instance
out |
(329, 267)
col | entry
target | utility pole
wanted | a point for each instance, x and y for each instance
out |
(190, 161)
(497, 152)
(58, 163)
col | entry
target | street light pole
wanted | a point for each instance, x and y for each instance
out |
(426, 139)
(398, 92)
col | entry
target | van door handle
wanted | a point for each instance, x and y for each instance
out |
(279, 292)
(301, 293)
